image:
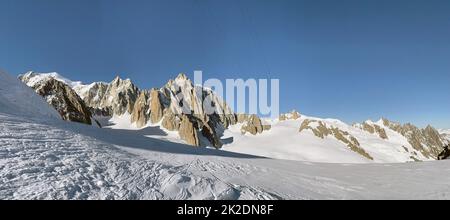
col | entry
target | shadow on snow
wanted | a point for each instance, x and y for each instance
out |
(138, 139)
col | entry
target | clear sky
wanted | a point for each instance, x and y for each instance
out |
(351, 60)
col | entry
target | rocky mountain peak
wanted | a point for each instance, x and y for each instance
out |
(116, 80)
(181, 102)
(428, 141)
(178, 106)
(180, 81)
(430, 128)
(181, 76)
(385, 121)
(120, 95)
(322, 129)
(26, 76)
(58, 94)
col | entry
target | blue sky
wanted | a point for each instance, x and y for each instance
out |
(344, 59)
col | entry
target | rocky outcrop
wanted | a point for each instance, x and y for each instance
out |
(120, 96)
(267, 127)
(432, 138)
(321, 130)
(253, 125)
(350, 141)
(141, 110)
(187, 124)
(381, 132)
(428, 141)
(241, 118)
(180, 99)
(373, 129)
(445, 154)
(188, 131)
(101, 112)
(162, 106)
(93, 94)
(63, 98)
(171, 121)
(156, 107)
(294, 115)
(210, 134)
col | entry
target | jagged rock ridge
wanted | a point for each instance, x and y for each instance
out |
(428, 140)
(322, 129)
(177, 106)
(373, 129)
(62, 97)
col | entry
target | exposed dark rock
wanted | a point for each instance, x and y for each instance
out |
(445, 154)
(428, 140)
(322, 130)
(103, 112)
(64, 99)
(253, 125)
(141, 110)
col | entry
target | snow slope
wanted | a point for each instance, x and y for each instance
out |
(122, 122)
(284, 141)
(37, 77)
(77, 86)
(17, 98)
(63, 160)
(54, 161)
(42, 157)
(446, 133)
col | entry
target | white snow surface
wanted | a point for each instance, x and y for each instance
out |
(17, 98)
(79, 87)
(284, 141)
(63, 160)
(43, 157)
(445, 133)
(37, 77)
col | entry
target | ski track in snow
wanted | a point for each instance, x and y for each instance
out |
(41, 161)
(53, 160)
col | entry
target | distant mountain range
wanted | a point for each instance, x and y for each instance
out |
(291, 136)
